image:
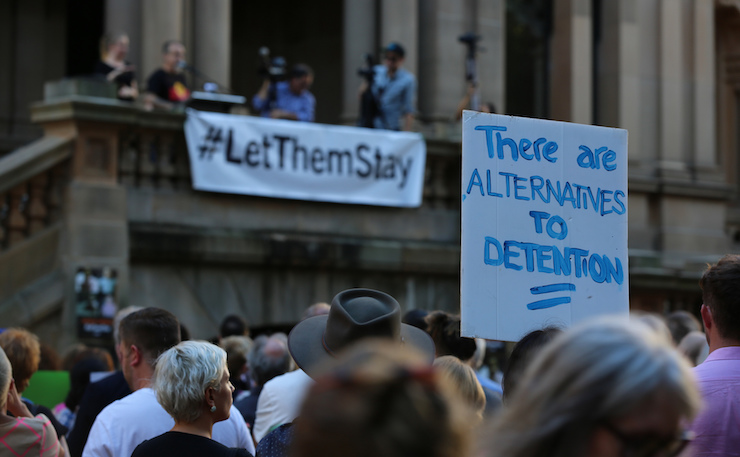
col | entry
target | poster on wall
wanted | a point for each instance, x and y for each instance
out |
(95, 302)
(544, 224)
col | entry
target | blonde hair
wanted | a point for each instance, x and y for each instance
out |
(380, 399)
(6, 374)
(24, 353)
(107, 40)
(596, 372)
(237, 349)
(466, 383)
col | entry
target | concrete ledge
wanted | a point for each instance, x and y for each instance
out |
(34, 302)
(26, 162)
(30, 260)
(668, 187)
(99, 109)
(213, 211)
(190, 244)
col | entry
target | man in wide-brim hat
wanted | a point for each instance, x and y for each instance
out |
(355, 314)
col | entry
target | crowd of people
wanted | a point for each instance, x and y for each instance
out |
(356, 377)
(389, 94)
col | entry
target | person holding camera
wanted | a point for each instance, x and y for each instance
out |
(289, 99)
(394, 90)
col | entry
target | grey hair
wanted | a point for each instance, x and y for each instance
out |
(596, 372)
(267, 362)
(182, 375)
(6, 374)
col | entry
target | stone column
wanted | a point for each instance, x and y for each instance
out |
(571, 81)
(399, 22)
(161, 20)
(212, 40)
(441, 60)
(490, 23)
(705, 143)
(359, 38)
(95, 218)
(124, 16)
(619, 71)
(674, 137)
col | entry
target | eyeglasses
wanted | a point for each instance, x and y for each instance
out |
(647, 445)
(391, 58)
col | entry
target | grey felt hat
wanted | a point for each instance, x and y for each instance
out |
(355, 314)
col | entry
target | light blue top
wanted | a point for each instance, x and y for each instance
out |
(395, 96)
(303, 105)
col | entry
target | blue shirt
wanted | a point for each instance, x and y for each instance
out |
(303, 105)
(395, 97)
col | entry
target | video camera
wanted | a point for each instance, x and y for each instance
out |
(369, 108)
(276, 69)
(368, 71)
(470, 40)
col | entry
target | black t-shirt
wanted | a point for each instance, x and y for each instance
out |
(168, 86)
(124, 79)
(179, 444)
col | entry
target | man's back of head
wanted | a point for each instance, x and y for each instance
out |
(233, 325)
(720, 286)
(152, 331)
(269, 358)
(716, 433)
(681, 323)
(317, 309)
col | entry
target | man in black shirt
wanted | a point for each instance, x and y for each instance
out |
(166, 87)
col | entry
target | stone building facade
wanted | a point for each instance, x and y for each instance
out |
(666, 70)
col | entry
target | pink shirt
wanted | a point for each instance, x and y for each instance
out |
(717, 427)
(29, 437)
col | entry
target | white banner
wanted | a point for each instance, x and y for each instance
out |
(544, 224)
(304, 161)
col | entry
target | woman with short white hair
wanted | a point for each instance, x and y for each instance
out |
(605, 388)
(191, 381)
(23, 434)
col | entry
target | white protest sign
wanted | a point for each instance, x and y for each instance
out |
(544, 224)
(304, 161)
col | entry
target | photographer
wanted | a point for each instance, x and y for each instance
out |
(465, 103)
(394, 90)
(291, 98)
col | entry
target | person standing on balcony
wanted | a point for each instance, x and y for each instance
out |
(289, 99)
(394, 90)
(167, 87)
(115, 68)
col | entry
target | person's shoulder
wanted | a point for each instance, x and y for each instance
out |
(721, 365)
(276, 442)
(405, 74)
(287, 379)
(102, 68)
(157, 74)
(36, 423)
(131, 402)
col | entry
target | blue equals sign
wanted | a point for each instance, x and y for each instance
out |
(550, 302)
